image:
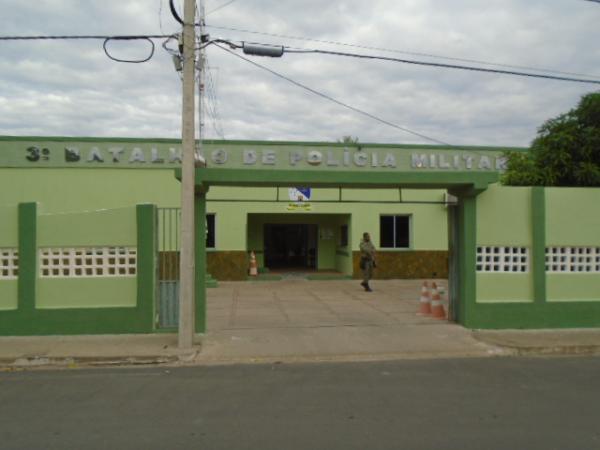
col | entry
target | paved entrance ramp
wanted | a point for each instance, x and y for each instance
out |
(324, 320)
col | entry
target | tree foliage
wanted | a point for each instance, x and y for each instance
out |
(348, 140)
(566, 151)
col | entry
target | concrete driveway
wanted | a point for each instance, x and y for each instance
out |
(297, 302)
(320, 320)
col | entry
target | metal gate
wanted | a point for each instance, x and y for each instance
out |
(169, 245)
(453, 262)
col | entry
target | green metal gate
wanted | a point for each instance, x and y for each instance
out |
(169, 245)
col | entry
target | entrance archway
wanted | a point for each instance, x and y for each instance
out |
(464, 185)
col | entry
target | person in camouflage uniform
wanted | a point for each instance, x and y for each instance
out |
(367, 260)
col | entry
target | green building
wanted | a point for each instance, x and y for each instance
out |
(89, 229)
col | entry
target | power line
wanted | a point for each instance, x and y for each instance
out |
(123, 37)
(107, 38)
(446, 66)
(211, 101)
(325, 96)
(429, 55)
(220, 7)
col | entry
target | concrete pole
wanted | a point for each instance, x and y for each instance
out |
(187, 263)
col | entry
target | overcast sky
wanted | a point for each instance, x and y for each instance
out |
(70, 88)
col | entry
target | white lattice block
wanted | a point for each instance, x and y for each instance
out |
(573, 259)
(9, 263)
(502, 259)
(88, 262)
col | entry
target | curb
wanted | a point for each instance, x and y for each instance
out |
(29, 362)
(570, 350)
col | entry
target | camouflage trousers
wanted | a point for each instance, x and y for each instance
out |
(367, 272)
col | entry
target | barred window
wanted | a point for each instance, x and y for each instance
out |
(503, 259)
(9, 263)
(573, 259)
(88, 262)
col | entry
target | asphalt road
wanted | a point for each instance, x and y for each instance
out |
(480, 404)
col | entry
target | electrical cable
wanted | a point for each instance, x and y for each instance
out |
(178, 17)
(429, 55)
(123, 37)
(325, 96)
(211, 102)
(106, 38)
(169, 50)
(220, 7)
(446, 66)
(134, 61)
(174, 12)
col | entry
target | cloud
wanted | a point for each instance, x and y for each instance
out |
(71, 88)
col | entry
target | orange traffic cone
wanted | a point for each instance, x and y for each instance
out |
(253, 267)
(425, 301)
(437, 309)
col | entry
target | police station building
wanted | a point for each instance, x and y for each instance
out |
(89, 239)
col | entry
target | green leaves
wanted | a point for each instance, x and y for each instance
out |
(566, 151)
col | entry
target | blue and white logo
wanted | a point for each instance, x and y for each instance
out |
(299, 194)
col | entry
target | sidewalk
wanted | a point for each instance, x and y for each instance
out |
(300, 320)
(301, 344)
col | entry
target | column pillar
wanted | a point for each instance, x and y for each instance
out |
(200, 255)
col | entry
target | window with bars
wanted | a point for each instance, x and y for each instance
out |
(503, 259)
(573, 259)
(88, 262)
(9, 263)
(394, 231)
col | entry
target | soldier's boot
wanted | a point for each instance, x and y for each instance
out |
(368, 288)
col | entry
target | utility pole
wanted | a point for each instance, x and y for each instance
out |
(201, 61)
(187, 262)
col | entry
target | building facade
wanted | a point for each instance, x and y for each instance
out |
(88, 228)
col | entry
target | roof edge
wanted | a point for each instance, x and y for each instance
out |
(264, 143)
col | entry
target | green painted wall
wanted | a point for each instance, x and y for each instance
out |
(567, 287)
(504, 219)
(114, 227)
(9, 226)
(429, 225)
(84, 305)
(560, 217)
(86, 292)
(502, 287)
(67, 190)
(249, 193)
(9, 239)
(573, 220)
(8, 294)
(79, 189)
(429, 222)
(572, 217)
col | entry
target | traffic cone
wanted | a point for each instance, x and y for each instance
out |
(437, 309)
(425, 301)
(253, 267)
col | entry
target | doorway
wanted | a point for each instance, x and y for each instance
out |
(290, 246)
